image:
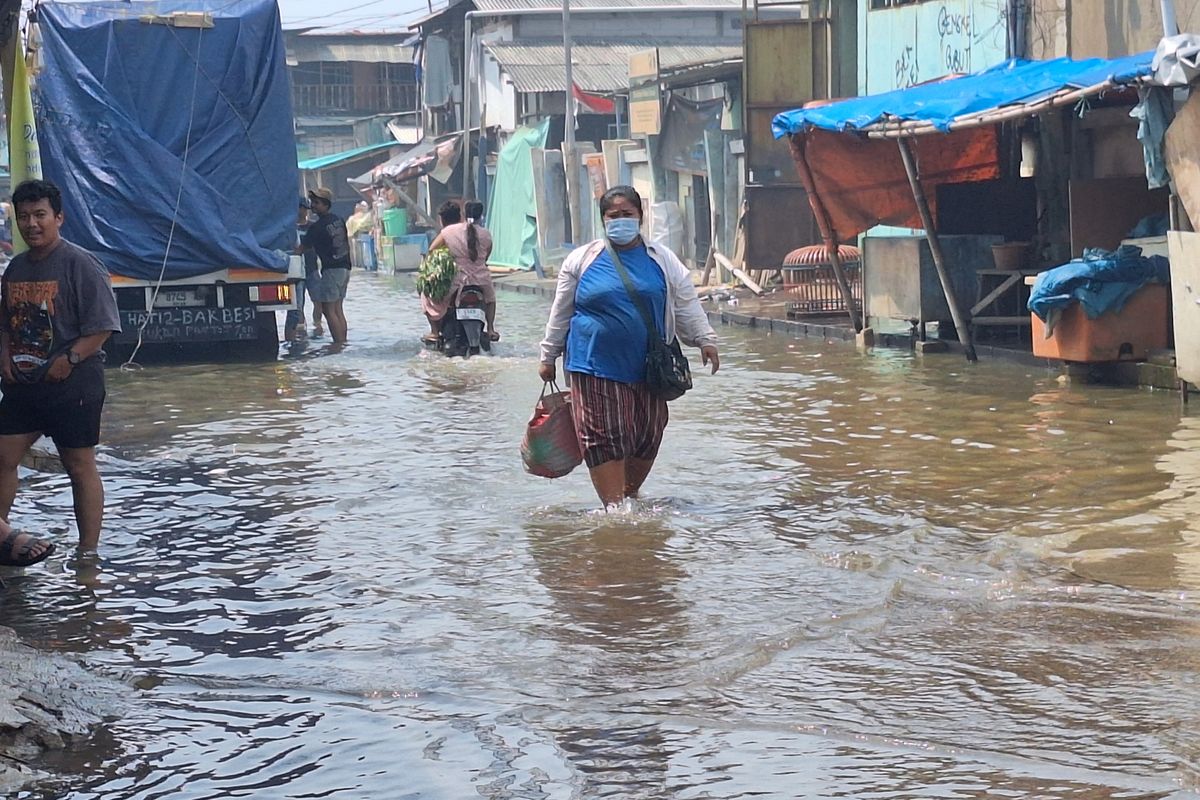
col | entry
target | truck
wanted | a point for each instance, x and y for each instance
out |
(168, 126)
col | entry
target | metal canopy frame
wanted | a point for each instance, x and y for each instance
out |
(902, 132)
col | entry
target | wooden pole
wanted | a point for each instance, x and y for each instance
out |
(570, 150)
(827, 232)
(709, 263)
(466, 104)
(935, 247)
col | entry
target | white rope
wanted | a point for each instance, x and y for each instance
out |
(130, 364)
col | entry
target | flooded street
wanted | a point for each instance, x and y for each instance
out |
(860, 576)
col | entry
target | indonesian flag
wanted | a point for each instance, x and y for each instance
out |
(594, 103)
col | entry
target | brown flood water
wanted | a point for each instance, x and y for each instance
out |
(858, 576)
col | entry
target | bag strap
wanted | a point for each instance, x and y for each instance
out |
(553, 385)
(634, 294)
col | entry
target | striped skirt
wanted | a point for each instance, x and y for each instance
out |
(616, 420)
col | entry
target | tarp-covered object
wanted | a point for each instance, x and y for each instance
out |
(1102, 280)
(1014, 82)
(116, 97)
(862, 182)
(512, 218)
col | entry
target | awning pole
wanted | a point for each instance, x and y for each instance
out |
(827, 232)
(935, 248)
(405, 198)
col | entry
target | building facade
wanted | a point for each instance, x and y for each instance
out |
(347, 88)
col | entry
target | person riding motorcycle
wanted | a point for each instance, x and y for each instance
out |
(471, 244)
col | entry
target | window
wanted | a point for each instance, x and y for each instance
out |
(336, 73)
(878, 4)
(396, 73)
(321, 73)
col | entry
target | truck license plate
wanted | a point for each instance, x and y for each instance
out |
(178, 298)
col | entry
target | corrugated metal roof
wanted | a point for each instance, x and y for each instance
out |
(537, 66)
(522, 5)
(304, 49)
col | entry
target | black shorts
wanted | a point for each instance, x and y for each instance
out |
(67, 412)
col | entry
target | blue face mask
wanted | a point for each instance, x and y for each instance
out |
(623, 230)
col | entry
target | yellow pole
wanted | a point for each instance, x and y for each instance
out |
(25, 162)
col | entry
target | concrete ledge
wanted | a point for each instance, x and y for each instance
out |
(768, 318)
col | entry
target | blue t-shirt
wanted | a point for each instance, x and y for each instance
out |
(608, 338)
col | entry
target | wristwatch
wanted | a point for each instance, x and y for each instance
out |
(73, 358)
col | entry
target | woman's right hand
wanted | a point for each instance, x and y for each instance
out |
(547, 372)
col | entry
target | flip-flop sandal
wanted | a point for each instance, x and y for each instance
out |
(430, 338)
(12, 555)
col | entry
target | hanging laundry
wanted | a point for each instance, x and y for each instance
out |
(1154, 113)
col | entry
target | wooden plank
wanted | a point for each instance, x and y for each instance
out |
(996, 293)
(1185, 310)
(550, 197)
(1183, 157)
(751, 284)
(715, 145)
(709, 263)
(1001, 320)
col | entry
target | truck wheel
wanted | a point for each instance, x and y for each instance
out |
(266, 346)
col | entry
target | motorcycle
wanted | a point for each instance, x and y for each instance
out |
(463, 326)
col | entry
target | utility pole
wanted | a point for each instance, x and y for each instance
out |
(570, 153)
(1170, 23)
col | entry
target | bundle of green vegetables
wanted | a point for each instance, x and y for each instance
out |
(436, 274)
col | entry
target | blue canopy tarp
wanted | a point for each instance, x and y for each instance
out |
(120, 99)
(938, 104)
(322, 162)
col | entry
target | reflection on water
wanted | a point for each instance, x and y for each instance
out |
(855, 576)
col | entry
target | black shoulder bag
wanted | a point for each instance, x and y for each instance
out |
(667, 372)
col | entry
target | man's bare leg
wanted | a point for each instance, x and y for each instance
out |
(12, 450)
(88, 492)
(337, 321)
(318, 312)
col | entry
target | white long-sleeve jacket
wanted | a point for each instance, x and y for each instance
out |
(684, 316)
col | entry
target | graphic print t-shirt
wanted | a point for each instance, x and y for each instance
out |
(327, 236)
(47, 305)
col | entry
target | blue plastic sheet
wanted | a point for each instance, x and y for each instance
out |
(1102, 280)
(1013, 82)
(115, 101)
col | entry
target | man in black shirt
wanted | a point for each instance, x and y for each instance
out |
(327, 237)
(57, 311)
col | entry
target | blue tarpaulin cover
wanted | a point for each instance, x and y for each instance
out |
(1014, 82)
(115, 99)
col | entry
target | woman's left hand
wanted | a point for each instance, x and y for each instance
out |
(708, 354)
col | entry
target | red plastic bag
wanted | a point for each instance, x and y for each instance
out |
(550, 448)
